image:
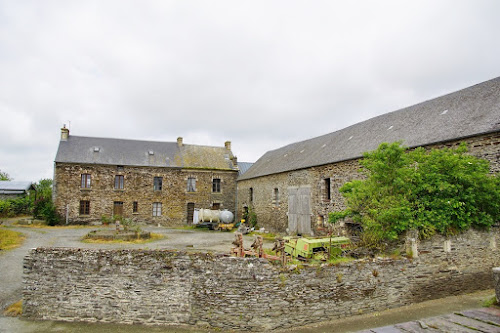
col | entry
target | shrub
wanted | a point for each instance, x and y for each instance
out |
(442, 191)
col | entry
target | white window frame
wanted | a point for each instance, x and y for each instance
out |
(157, 208)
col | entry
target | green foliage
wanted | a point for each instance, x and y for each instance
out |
(43, 207)
(252, 218)
(4, 176)
(129, 225)
(5, 210)
(443, 190)
(15, 207)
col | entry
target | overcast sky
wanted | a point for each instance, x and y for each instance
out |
(261, 74)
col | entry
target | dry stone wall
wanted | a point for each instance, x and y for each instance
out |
(160, 287)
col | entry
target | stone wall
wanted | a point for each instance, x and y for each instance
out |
(273, 216)
(138, 186)
(166, 287)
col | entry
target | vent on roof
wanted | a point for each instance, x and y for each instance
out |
(151, 152)
(285, 155)
(444, 112)
(390, 127)
(324, 145)
(302, 151)
(96, 149)
(350, 137)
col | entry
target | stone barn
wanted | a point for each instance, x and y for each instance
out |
(154, 182)
(296, 186)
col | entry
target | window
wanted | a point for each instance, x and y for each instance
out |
(135, 207)
(157, 183)
(119, 168)
(84, 207)
(327, 194)
(276, 197)
(251, 194)
(191, 185)
(216, 185)
(216, 205)
(85, 183)
(156, 208)
(119, 182)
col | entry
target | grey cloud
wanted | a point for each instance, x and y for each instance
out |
(261, 74)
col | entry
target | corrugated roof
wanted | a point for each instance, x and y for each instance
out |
(107, 151)
(468, 112)
(15, 185)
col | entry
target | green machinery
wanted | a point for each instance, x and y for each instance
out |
(315, 248)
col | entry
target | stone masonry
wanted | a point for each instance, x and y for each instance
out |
(138, 187)
(168, 287)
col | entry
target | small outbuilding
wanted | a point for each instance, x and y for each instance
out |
(14, 189)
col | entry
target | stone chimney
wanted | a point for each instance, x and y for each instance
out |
(179, 141)
(235, 161)
(64, 133)
(227, 144)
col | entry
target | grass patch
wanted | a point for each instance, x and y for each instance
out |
(10, 239)
(269, 236)
(490, 302)
(14, 310)
(154, 237)
(42, 225)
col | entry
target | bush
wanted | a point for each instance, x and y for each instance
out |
(15, 207)
(442, 191)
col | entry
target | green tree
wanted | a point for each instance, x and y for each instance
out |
(441, 190)
(4, 176)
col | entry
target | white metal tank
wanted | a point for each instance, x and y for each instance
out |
(226, 216)
(208, 215)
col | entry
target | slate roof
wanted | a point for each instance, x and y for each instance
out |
(15, 187)
(244, 166)
(468, 112)
(107, 151)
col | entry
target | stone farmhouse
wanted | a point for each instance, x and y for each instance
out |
(154, 182)
(296, 186)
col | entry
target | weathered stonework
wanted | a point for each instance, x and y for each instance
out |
(138, 186)
(166, 287)
(274, 216)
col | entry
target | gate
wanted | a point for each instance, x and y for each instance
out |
(299, 210)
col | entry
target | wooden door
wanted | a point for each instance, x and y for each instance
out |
(304, 218)
(118, 208)
(299, 210)
(190, 212)
(292, 209)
